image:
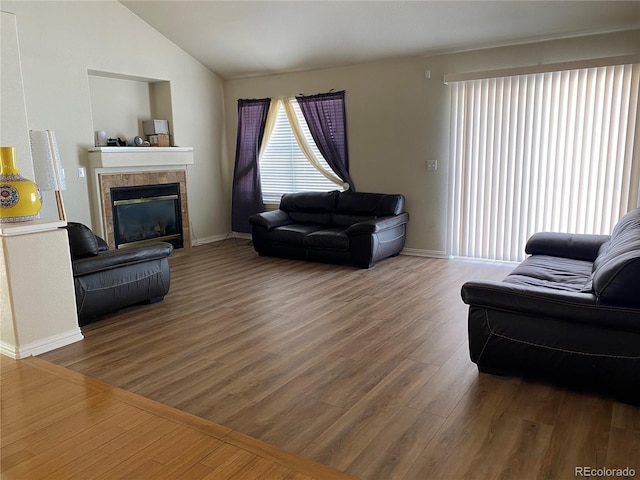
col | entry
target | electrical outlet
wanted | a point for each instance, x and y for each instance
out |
(432, 164)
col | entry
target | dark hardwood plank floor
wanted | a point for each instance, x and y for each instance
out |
(366, 371)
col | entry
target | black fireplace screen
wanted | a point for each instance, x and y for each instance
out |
(147, 213)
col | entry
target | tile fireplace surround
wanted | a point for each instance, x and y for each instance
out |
(134, 166)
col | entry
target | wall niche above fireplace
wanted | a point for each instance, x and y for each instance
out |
(120, 103)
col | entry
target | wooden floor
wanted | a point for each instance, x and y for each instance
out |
(58, 424)
(365, 371)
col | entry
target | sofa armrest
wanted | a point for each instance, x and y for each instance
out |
(270, 220)
(379, 224)
(568, 245)
(102, 245)
(121, 257)
(538, 301)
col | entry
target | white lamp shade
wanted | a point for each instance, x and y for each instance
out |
(47, 165)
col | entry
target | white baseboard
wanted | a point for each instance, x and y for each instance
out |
(41, 346)
(417, 252)
(205, 240)
(246, 236)
(220, 238)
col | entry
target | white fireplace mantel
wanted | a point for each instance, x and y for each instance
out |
(126, 157)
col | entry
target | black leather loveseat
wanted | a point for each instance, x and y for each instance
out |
(108, 280)
(569, 313)
(335, 227)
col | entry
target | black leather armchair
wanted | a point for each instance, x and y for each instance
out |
(569, 313)
(107, 280)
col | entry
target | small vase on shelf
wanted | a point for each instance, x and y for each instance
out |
(20, 199)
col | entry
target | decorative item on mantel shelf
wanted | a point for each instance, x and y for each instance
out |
(20, 199)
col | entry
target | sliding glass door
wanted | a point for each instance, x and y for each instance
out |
(541, 152)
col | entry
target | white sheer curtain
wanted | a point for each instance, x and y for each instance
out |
(289, 160)
(552, 151)
(272, 118)
(295, 118)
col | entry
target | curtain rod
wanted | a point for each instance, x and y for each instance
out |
(544, 68)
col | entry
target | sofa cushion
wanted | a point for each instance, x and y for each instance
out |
(311, 218)
(330, 238)
(555, 273)
(369, 204)
(630, 222)
(82, 242)
(309, 207)
(312, 202)
(346, 220)
(292, 234)
(617, 269)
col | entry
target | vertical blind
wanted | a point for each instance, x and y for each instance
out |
(540, 152)
(284, 167)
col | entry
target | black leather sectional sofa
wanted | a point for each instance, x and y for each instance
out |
(569, 313)
(107, 280)
(335, 227)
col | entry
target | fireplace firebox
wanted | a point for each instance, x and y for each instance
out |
(147, 213)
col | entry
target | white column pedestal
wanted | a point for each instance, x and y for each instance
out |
(37, 297)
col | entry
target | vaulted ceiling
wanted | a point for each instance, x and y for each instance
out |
(247, 38)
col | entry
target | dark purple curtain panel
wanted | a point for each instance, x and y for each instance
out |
(325, 115)
(247, 193)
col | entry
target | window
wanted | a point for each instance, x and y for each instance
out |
(540, 152)
(284, 167)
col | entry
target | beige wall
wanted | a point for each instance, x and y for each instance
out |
(13, 119)
(397, 119)
(61, 41)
